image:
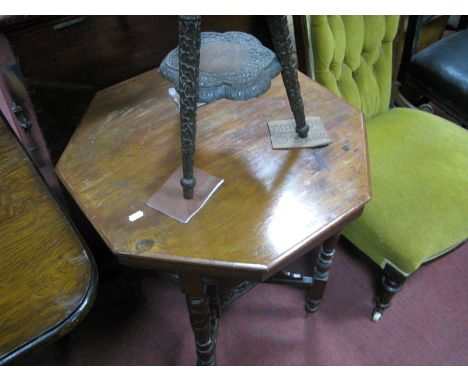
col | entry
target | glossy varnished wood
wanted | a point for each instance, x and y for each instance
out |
(46, 276)
(274, 205)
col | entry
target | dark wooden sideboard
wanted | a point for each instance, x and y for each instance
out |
(65, 60)
(48, 278)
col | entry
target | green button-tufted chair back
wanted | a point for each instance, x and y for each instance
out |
(351, 62)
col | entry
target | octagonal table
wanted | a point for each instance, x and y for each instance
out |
(274, 206)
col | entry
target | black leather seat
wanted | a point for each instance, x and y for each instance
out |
(440, 73)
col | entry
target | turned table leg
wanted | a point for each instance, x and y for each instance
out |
(132, 279)
(200, 313)
(189, 62)
(282, 44)
(321, 273)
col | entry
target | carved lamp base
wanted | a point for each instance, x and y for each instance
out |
(169, 200)
(233, 65)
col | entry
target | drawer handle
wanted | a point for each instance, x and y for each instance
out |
(20, 114)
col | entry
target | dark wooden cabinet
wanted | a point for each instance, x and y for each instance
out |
(65, 60)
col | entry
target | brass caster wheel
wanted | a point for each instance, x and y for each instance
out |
(427, 108)
(376, 316)
(311, 306)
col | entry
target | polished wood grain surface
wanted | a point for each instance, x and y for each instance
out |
(273, 206)
(45, 273)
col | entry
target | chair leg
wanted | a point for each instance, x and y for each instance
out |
(388, 287)
(321, 273)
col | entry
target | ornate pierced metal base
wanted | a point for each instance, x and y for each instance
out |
(168, 201)
(233, 65)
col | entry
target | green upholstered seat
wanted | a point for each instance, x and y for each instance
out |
(419, 174)
(418, 162)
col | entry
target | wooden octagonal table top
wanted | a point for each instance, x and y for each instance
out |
(274, 205)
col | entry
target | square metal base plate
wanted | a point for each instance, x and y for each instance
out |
(170, 201)
(283, 134)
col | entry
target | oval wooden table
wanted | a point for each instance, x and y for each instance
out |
(274, 206)
(47, 277)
